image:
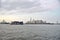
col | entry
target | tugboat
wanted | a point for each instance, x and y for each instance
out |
(17, 23)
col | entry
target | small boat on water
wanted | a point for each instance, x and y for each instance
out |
(17, 23)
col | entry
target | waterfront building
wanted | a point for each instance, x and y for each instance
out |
(4, 22)
(17, 23)
(36, 22)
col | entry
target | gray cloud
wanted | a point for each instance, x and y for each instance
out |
(0, 3)
(19, 4)
(25, 6)
(59, 0)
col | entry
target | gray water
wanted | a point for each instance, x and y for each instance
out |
(29, 32)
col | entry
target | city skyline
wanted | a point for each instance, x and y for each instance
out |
(48, 10)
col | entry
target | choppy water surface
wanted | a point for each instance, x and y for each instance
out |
(29, 32)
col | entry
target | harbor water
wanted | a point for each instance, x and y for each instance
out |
(29, 32)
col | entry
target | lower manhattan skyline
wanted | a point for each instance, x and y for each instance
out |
(23, 10)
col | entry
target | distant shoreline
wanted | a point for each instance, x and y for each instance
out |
(33, 24)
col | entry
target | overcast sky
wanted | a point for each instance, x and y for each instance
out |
(48, 10)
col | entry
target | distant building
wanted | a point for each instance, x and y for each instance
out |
(4, 22)
(36, 22)
(17, 23)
